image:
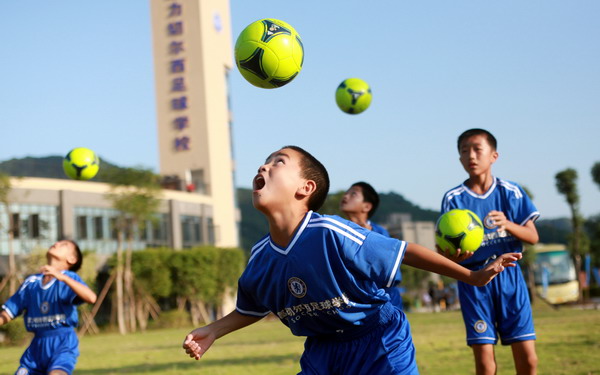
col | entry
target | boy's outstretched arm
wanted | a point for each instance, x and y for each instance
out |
(4, 317)
(198, 341)
(420, 257)
(82, 290)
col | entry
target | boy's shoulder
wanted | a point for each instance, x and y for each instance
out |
(336, 224)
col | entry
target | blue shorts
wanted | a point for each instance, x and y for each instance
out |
(500, 308)
(50, 350)
(388, 349)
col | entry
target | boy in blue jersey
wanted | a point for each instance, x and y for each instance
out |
(49, 301)
(359, 204)
(501, 307)
(323, 276)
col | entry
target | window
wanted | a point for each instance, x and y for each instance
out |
(81, 223)
(114, 233)
(34, 226)
(98, 228)
(16, 228)
(191, 231)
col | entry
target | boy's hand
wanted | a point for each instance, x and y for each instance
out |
(457, 257)
(197, 342)
(499, 219)
(52, 271)
(485, 275)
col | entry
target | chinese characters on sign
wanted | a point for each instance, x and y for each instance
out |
(177, 65)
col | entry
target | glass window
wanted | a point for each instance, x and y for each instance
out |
(81, 223)
(16, 229)
(98, 228)
(34, 226)
(191, 230)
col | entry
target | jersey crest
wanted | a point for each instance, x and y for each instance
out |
(297, 287)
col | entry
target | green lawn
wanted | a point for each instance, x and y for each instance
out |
(568, 343)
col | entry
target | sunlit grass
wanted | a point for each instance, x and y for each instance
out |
(568, 344)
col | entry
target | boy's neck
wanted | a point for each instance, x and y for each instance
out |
(480, 184)
(359, 218)
(283, 225)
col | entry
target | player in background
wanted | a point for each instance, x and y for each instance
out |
(322, 276)
(359, 204)
(49, 301)
(502, 307)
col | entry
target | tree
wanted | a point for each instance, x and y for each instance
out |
(593, 224)
(596, 173)
(11, 278)
(566, 184)
(134, 193)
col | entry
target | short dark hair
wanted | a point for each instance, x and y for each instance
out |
(77, 265)
(312, 169)
(369, 195)
(471, 132)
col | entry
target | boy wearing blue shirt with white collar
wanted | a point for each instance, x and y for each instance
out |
(502, 307)
(323, 276)
(49, 302)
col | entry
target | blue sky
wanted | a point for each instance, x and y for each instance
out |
(81, 74)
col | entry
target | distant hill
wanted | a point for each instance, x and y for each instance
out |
(254, 225)
(47, 167)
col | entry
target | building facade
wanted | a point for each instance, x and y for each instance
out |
(44, 210)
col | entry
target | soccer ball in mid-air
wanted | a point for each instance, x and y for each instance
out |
(459, 229)
(269, 53)
(81, 164)
(353, 96)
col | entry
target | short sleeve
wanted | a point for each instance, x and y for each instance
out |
(15, 305)
(67, 294)
(523, 208)
(378, 259)
(247, 305)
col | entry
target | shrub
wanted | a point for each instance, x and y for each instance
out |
(14, 333)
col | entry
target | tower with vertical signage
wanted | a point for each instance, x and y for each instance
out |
(193, 57)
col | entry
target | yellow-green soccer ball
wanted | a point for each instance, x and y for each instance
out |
(81, 164)
(269, 53)
(459, 229)
(353, 96)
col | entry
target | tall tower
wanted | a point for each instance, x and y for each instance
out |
(192, 57)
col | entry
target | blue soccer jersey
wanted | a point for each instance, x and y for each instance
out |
(329, 280)
(378, 229)
(504, 196)
(502, 307)
(46, 307)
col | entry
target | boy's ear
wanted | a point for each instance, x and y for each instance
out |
(367, 206)
(72, 258)
(494, 156)
(307, 188)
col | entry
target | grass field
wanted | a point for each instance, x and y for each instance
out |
(568, 344)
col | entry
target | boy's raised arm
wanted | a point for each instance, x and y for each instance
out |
(198, 341)
(420, 257)
(82, 290)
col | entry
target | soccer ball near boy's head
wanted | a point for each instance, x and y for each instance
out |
(290, 173)
(269, 53)
(459, 229)
(353, 96)
(81, 164)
